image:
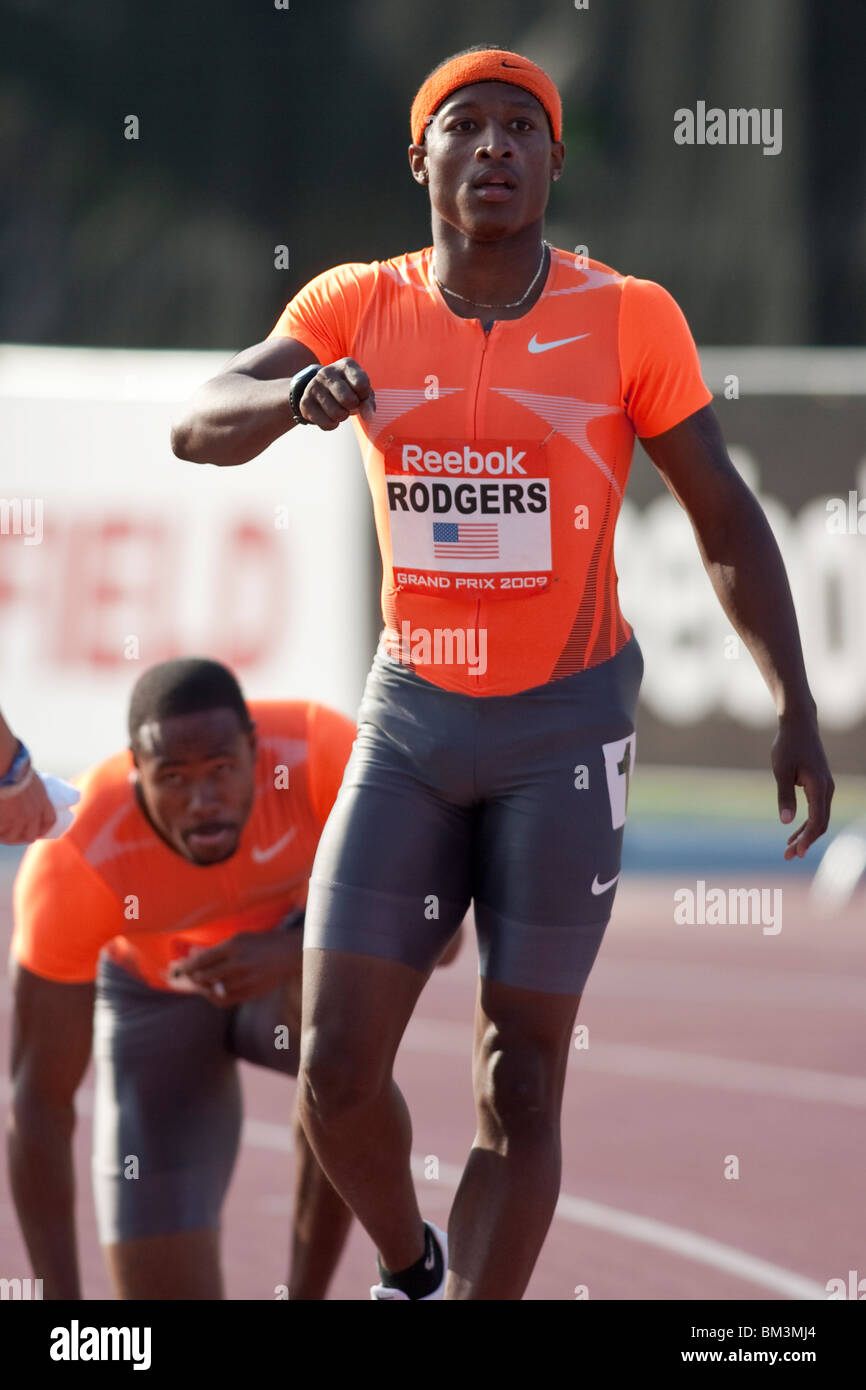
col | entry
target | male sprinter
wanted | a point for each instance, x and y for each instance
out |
(496, 736)
(188, 861)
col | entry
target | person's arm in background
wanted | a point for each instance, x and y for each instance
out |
(64, 913)
(52, 1029)
(25, 809)
(745, 567)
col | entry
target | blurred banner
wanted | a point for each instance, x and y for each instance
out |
(794, 421)
(115, 555)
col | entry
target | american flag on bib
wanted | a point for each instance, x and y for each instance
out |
(467, 540)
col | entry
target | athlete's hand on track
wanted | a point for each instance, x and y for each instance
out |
(246, 966)
(798, 760)
(337, 391)
(26, 813)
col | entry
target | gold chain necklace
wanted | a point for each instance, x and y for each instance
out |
(477, 302)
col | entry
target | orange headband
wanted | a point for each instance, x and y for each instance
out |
(490, 65)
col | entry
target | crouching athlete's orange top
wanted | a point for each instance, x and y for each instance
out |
(497, 461)
(112, 882)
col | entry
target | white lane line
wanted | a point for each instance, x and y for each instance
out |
(577, 1211)
(676, 1240)
(725, 1073)
(663, 1064)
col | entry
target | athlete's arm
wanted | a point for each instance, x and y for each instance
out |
(52, 1032)
(241, 411)
(25, 810)
(742, 559)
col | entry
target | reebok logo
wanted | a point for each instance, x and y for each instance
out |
(466, 460)
(535, 346)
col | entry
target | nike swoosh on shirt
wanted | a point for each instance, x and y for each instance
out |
(261, 856)
(603, 887)
(535, 346)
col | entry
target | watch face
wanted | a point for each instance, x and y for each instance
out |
(300, 382)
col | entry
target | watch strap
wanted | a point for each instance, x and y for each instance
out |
(19, 772)
(297, 387)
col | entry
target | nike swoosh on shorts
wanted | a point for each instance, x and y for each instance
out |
(261, 856)
(535, 346)
(598, 888)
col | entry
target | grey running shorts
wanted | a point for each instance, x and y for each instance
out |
(513, 802)
(167, 1116)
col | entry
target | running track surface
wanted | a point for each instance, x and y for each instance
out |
(704, 1042)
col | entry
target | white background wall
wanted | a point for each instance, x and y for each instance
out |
(144, 557)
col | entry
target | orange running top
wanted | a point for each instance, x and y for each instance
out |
(497, 461)
(111, 881)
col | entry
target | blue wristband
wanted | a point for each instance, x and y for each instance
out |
(20, 764)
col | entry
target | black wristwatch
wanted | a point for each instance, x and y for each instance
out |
(297, 387)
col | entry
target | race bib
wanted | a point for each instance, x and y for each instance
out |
(469, 520)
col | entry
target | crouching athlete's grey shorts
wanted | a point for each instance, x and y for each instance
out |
(514, 802)
(167, 1115)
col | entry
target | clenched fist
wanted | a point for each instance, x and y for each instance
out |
(337, 391)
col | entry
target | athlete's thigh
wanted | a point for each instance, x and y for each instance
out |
(355, 1011)
(393, 870)
(550, 833)
(167, 1111)
(267, 1031)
